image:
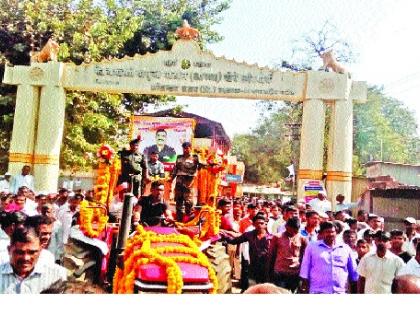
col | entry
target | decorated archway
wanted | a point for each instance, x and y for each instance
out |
(185, 70)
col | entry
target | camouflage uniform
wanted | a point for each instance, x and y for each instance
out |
(185, 171)
(132, 163)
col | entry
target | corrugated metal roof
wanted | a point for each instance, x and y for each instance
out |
(391, 163)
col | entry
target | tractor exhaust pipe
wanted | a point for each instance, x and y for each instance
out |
(125, 222)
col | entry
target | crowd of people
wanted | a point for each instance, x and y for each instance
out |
(308, 248)
(297, 246)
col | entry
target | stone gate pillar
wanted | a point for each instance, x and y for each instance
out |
(312, 143)
(49, 137)
(24, 126)
(38, 122)
(340, 151)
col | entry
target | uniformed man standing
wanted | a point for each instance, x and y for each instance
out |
(133, 163)
(185, 170)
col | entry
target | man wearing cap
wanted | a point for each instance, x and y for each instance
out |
(410, 232)
(133, 167)
(185, 170)
(377, 271)
(320, 203)
(328, 266)
(5, 183)
(152, 207)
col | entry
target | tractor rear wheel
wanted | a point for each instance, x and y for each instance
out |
(81, 261)
(219, 260)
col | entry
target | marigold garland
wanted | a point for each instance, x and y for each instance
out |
(90, 213)
(138, 252)
(211, 224)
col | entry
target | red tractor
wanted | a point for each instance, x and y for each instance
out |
(185, 258)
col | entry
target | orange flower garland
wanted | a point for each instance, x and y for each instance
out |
(138, 252)
(211, 224)
(89, 213)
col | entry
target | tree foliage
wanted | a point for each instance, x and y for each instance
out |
(88, 31)
(271, 146)
(269, 149)
(387, 121)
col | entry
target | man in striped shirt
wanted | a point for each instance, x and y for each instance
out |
(24, 273)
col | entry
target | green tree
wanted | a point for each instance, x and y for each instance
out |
(269, 149)
(384, 123)
(271, 146)
(88, 31)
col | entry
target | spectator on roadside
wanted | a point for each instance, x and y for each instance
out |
(350, 238)
(340, 205)
(285, 255)
(23, 273)
(275, 220)
(288, 212)
(377, 271)
(397, 242)
(362, 249)
(22, 179)
(375, 225)
(73, 287)
(413, 265)
(56, 245)
(5, 183)
(67, 215)
(352, 224)
(309, 230)
(328, 266)
(266, 288)
(410, 233)
(320, 203)
(259, 241)
(406, 284)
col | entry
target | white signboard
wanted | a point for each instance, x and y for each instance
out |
(186, 70)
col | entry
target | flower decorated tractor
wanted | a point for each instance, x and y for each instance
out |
(182, 259)
(185, 258)
(89, 249)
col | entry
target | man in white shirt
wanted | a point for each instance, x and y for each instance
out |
(410, 232)
(23, 179)
(377, 271)
(24, 274)
(5, 183)
(275, 220)
(375, 225)
(66, 215)
(320, 203)
(413, 265)
(340, 205)
(56, 245)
